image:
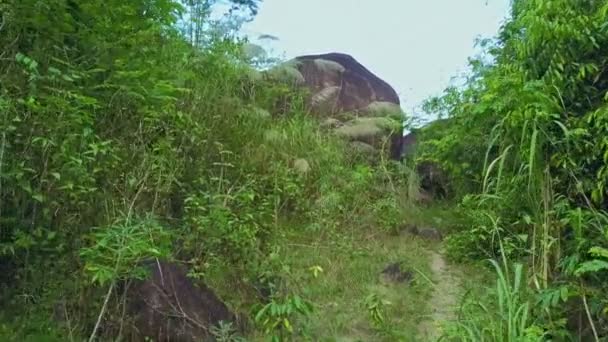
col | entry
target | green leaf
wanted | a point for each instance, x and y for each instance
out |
(38, 197)
(564, 293)
(54, 71)
(262, 312)
(592, 266)
(287, 325)
(599, 252)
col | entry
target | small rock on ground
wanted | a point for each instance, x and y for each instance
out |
(427, 233)
(394, 274)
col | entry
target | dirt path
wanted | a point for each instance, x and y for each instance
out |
(444, 300)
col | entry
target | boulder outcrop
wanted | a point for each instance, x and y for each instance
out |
(349, 99)
(168, 306)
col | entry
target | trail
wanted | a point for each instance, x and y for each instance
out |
(444, 300)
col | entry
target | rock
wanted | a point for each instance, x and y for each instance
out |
(169, 307)
(301, 166)
(431, 234)
(253, 51)
(394, 274)
(424, 198)
(369, 130)
(325, 101)
(383, 108)
(328, 67)
(339, 87)
(410, 229)
(331, 123)
(320, 73)
(287, 74)
(366, 151)
(360, 87)
(427, 233)
(363, 131)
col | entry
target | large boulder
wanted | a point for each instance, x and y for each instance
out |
(168, 306)
(369, 130)
(341, 89)
(359, 87)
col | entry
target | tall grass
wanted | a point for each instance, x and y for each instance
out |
(505, 317)
(505, 314)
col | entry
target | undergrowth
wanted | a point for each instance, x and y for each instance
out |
(523, 143)
(129, 133)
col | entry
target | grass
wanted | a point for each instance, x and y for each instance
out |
(348, 261)
(352, 265)
(352, 260)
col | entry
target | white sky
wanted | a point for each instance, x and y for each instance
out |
(417, 46)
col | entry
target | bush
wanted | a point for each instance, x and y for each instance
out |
(522, 138)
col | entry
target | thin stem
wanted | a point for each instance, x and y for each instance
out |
(124, 310)
(102, 312)
(588, 312)
(117, 265)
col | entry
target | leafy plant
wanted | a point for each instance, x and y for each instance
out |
(117, 251)
(375, 307)
(388, 213)
(521, 138)
(225, 332)
(507, 317)
(278, 317)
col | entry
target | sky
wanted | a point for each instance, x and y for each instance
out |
(417, 46)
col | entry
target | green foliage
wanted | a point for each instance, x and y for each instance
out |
(389, 213)
(484, 235)
(525, 137)
(117, 251)
(505, 317)
(277, 318)
(225, 332)
(228, 224)
(375, 307)
(134, 130)
(107, 109)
